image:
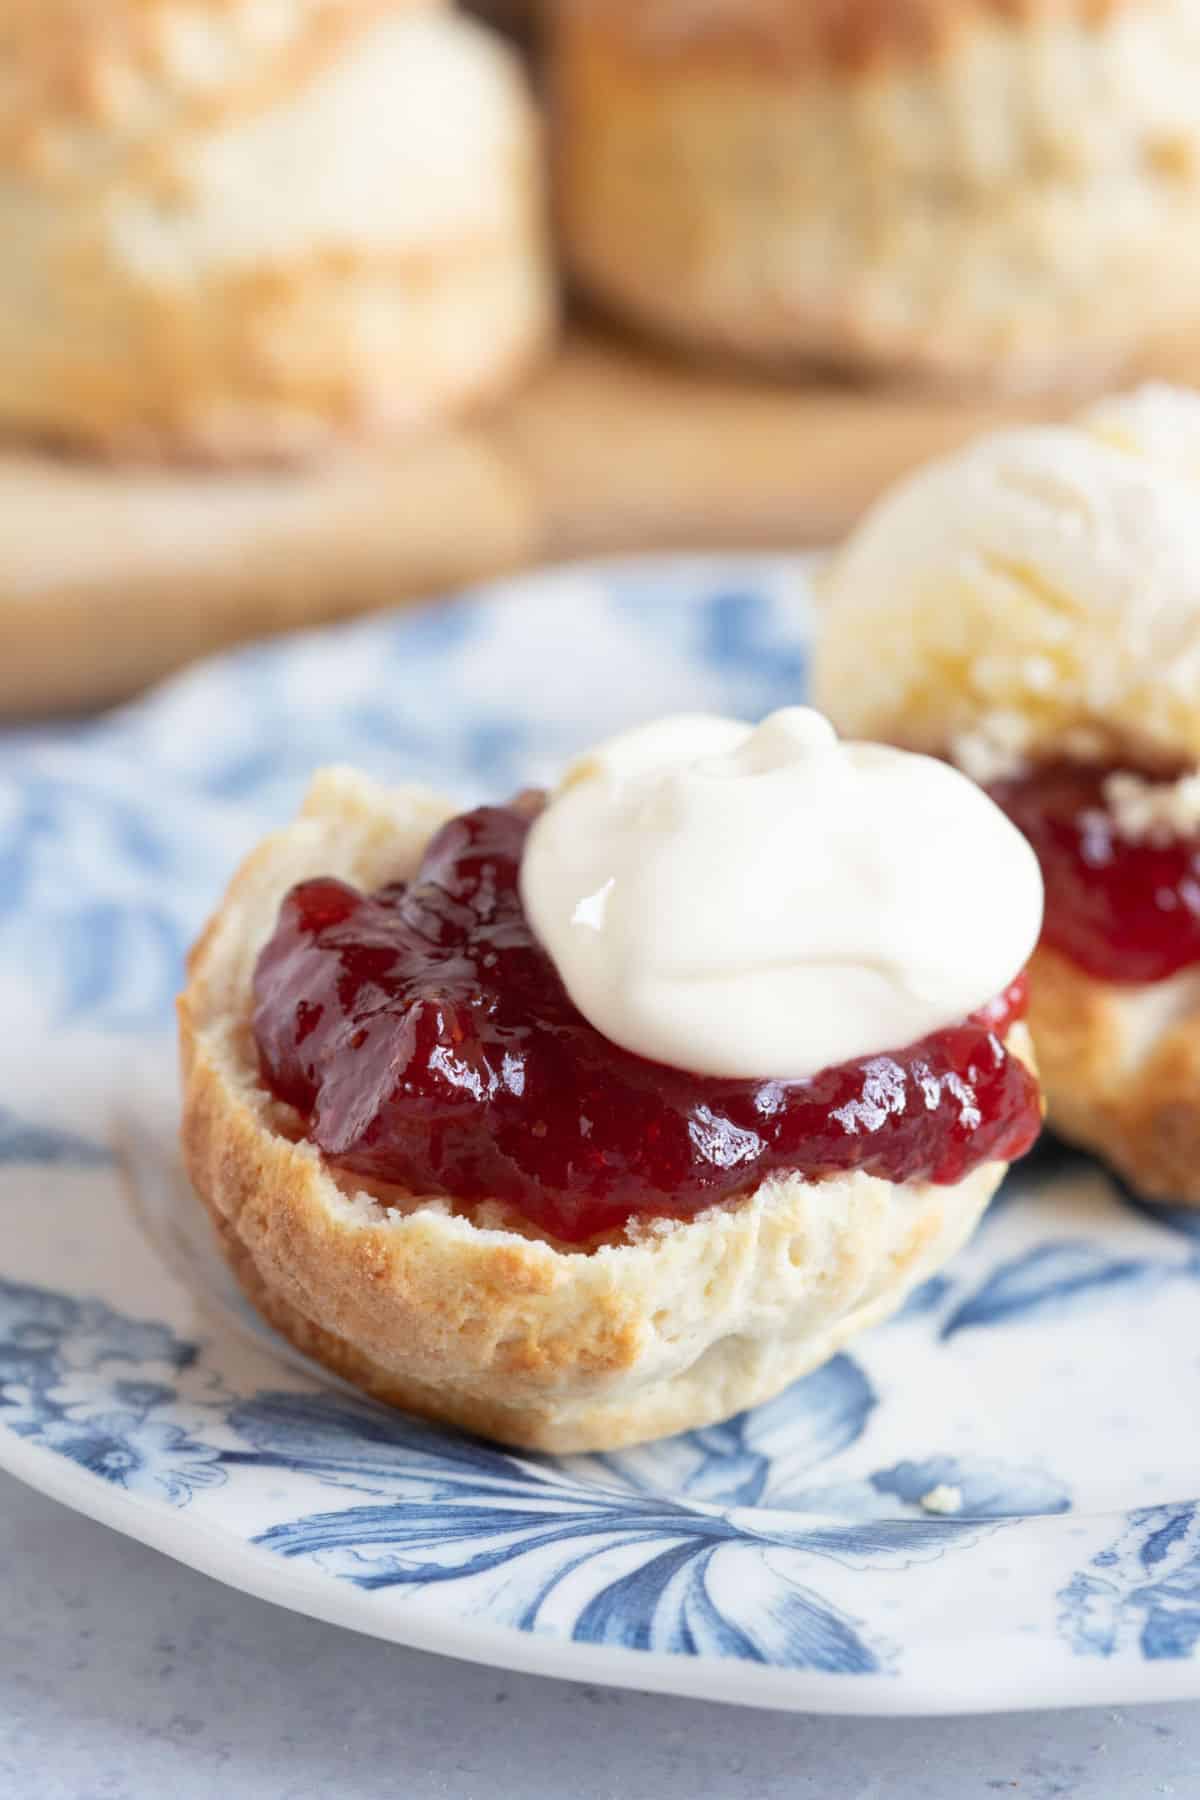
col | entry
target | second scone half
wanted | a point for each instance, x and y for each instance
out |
(518, 1316)
(1030, 608)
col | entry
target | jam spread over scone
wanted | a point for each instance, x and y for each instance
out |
(428, 1041)
(1122, 877)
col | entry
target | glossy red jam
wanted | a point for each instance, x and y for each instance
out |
(1122, 910)
(428, 1042)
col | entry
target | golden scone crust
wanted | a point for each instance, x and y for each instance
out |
(821, 36)
(978, 191)
(240, 232)
(473, 1320)
(69, 68)
(1121, 1071)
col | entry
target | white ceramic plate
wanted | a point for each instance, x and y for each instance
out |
(1050, 1379)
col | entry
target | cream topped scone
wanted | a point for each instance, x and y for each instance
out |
(238, 230)
(1030, 608)
(972, 191)
(605, 1114)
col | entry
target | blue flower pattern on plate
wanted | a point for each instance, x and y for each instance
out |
(1142, 1589)
(431, 1507)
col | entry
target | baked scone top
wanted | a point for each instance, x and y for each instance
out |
(848, 36)
(265, 226)
(74, 74)
(1037, 593)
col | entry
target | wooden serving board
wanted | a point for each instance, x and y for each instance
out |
(629, 450)
(111, 577)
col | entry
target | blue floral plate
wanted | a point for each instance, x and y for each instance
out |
(1045, 1389)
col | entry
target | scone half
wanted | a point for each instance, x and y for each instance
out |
(473, 1320)
(1031, 604)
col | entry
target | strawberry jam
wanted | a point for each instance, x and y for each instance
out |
(1123, 910)
(428, 1042)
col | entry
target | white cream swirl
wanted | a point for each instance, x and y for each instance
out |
(767, 902)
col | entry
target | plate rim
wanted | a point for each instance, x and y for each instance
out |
(248, 1568)
(219, 1553)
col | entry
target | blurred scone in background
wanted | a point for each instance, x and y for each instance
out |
(998, 193)
(238, 230)
(265, 266)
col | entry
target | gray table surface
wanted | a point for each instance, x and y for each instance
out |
(126, 1677)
